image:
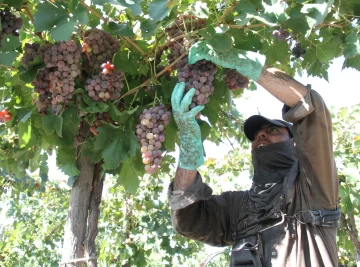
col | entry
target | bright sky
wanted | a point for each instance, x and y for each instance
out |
(343, 90)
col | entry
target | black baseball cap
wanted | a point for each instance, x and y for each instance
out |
(255, 122)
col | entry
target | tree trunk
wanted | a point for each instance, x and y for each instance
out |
(76, 223)
(94, 212)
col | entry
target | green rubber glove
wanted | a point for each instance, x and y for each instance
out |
(249, 64)
(191, 148)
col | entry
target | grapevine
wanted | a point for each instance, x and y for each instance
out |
(151, 134)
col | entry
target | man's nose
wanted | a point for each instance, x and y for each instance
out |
(261, 133)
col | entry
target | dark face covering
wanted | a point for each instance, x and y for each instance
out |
(273, 162)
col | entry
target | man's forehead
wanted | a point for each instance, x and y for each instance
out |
(268, 125)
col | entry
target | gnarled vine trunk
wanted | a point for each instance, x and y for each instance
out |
(83, 213)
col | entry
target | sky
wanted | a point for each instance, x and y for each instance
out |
(342, 90)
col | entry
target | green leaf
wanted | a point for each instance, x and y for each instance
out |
(353, 62)
(127, 61)
(120, 116)
(276, 51)
(297, 22)
(29, 75)
(148, 28)
(129, 177)
(10, 43)
(121, 5)
(116, 145)
(205, 129)
(159, 9)
(316, 13)
(66, 161)
(54, 17)
(327, 51)
(14, 3)
(352, 45)
(52, 123)
(89, 150)
(171, 136)
(25, 133)
(24, 113)
(8, 58)
(121, 29)
(217, 39)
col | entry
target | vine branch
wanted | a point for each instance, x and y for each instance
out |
(133, 44)
(90, 9)
(156, 76)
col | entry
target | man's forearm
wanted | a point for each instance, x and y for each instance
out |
(184, 178)
(282, 86)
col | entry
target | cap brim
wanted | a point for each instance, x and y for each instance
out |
(255, 123)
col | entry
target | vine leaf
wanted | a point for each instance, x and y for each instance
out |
(121, 29)
(52, 123)
(159, 9)
(14, 3)
(54, 17)
(129, 177)
(327, 51)
(116, 145)
(316, 13)
(66, 161)
(352, 45)
(10, 43)
(25, 133)
(121, 5)
(7, 58)
(353, 62)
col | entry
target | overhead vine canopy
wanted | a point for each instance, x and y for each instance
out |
(96, 77)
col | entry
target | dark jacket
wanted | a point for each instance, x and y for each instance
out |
(214, 219)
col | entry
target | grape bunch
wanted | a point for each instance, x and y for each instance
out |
(151, 134)
(281, 34)
(10, 23)
(56, 82)
(186, 23)
(297, 50)
(107, 85)
(234, 80)
(99, 47)
(31, 51)
(199, 76)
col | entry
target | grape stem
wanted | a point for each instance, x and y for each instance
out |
(90, 9)
(156, 76)
(246, 26)
(133, 44)
(226, 12)
(26, 8)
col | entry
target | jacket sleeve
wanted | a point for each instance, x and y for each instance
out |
(199, 215)
(314, 144)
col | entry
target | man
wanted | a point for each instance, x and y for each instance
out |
(290, 215)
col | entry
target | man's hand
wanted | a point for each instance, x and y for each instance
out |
(191, 149)
(248, 63)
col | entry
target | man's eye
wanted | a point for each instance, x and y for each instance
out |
(273, 130)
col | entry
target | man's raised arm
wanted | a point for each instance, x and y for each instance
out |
(282, 86)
